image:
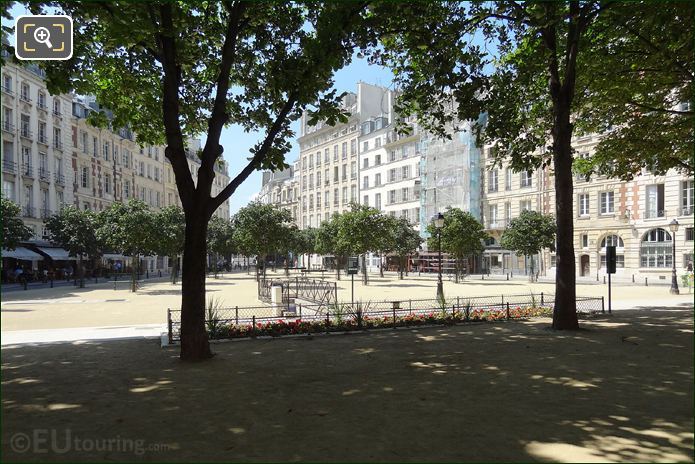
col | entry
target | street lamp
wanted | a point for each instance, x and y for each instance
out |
(438, 221)
(674, 279)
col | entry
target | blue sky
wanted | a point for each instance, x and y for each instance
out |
(236, 142)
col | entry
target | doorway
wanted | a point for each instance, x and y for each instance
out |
(584, 265)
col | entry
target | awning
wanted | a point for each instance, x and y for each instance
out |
(58, 254)
(22, 253)
(114, 256)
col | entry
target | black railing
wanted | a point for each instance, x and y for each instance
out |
(26, 133)
(319, 292)
(28, 170)
(9, 166)
(44, 174)
(253, 321)
(59, 179)
(7, 126)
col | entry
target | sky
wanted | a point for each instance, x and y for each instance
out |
(237, 143)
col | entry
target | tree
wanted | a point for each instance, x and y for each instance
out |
(406, 240)
(130, 229)
(386, 242)
(75, 230)
(13, 229)
(220, 238)
(530, 94)
(202, 66)
(528, 234)
(637, 83)
(259, 230)
(359, 232)
(462, 236)
(327, 242)
(306, 243)
(171, 226)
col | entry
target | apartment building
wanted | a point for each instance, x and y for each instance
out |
(52, 157)
(36, 162)
(329, 156)
(281, 188)
(634, 216)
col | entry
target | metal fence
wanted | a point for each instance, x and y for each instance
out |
(249, 321)
(316, 291)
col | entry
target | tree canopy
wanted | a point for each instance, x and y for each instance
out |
(13, 229)
(529, 233)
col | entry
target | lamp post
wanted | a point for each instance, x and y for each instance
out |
(438, 221)
(674, 279)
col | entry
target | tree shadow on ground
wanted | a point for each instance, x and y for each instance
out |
(620, 390)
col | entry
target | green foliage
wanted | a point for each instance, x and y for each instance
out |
(462, 234)
(220, 236)
(406, 239)
(260, 229)
(359, 230)
(129, 228)
(13, 229)
(171, 230)
(76, 231)
(529, 233)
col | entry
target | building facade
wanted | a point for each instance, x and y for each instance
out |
(281, 188)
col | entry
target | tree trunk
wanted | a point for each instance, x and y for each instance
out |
(133, 275)
(400, 267)
(457, 270)
(381, 265)
(365, 279)
(337, 267)
(287, 265)
(194, 338)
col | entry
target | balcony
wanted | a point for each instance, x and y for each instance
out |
(28, 171)
(43, 139)
(28, 211)
(496, 224)
(653, 214)
(25, 132)
(25, 98)
(44, 175)
(60, 179)
(687, 210)
(57, 113)
(57, 144)
(42, 106)
(7, 126)
(9, 166)
(46, 213)
(7, 91)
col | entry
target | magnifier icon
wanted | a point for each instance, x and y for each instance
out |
(41, 35)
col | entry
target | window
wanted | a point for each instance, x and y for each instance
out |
(326, 198)
(318, 179)
(377, 180)
(7, 84)
(25, 92)
(126, 189)
(365, 146)
(353, 193)
(41, 101)
(304, 182)
(311, 181)
(7, 119)
(619, 261)
(345, 195)
(392, 155)
(583, 204)
(492, 181)
(56, 107)
(377, 142)
(85, 146)
(377, 160)
(335, 152)
(365, 200)
(584, 239)
(336, 197)
(303, 164)
(57, 138)
(492, 215)
(392, 175)
(95, 146)
(607, 203)
(612, 240)
(508, 212)
(344, 150)
(105, 151)
(687, 197)
(689, 234)
(8, 190)
(526, 179)
(405, 172)
(42, 132)
(158, 201)
(344, 171)
(311, 162)
(365, 182)
(404, 194)
(25, 125)
(318, 159)
(142, 168)
(85, 178)
(377, 201)
(353, 147)
(392, 197)
(336, 174)
(326, 156)
(525, 205)
(107, 183)
(654, 201)
(365, 163)
(656, 249)
(353, 170)
(318, 200)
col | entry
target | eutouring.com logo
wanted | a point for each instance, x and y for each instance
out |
(53, 441)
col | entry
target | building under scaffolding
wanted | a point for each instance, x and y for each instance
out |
(450, 177)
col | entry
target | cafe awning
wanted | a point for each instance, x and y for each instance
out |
(58, 254)
(21, 253)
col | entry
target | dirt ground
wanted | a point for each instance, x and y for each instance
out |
(619, 390)
(100, 305)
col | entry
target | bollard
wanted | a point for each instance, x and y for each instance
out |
(147, 274)
(603, 306)
(253, 326)
(646, 284)
(25, 283)
(328, 319)
(160, 273)
(507, 276)
(604, 279)
(394, 316)
(236, 315)
(507, 310)
(633, 278)
(51, 282)
(541, 298)
(482, 276)
(300, 310)
(169, 326)
(468, 308)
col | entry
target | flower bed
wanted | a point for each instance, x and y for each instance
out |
(282, 327)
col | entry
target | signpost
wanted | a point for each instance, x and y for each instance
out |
(611, 261)
(352, 271)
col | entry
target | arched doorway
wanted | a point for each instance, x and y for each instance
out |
(584, 267)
